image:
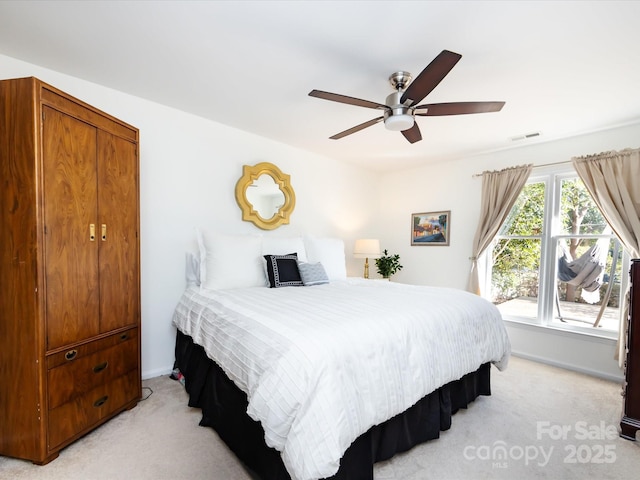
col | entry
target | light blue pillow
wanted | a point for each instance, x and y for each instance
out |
(312, 274)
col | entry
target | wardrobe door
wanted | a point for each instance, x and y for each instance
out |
(70, 213)
(118, 220)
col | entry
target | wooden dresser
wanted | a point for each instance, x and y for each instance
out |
(630, 423)
(69, 269)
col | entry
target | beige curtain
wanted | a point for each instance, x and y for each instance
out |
(500, 190)
(613, 180)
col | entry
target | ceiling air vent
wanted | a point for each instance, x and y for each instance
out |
(525, 136)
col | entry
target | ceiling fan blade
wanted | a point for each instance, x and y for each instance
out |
(430, 77)
(334, 97)
(357, 128)
(412, 134)
(457, 108)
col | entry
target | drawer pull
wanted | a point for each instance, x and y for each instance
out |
(101, 401)
(124, 336)
(71, 354)
(98, 368)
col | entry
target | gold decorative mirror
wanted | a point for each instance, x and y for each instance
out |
(265, 195)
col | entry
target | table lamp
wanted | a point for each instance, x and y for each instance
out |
(367, 248)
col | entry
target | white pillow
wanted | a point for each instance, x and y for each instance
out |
(284, 246)
(329, 252)
(192, 269)
(230, 261)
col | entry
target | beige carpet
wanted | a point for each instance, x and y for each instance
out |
(537, 416)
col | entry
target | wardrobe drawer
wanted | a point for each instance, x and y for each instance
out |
(88, 410)
(79, 376)
(77, 352)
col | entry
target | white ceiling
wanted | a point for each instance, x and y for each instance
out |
(563, 68)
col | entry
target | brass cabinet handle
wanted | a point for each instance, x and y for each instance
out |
(71, 354)
(98, 368)
(101, 401)
(92, 232)
(104, 232)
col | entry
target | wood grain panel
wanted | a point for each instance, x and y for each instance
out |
(21, 322)
(74, 107)
(75, 418)
(79, 376)
(70, 207)
(61, 356)
(118, 210)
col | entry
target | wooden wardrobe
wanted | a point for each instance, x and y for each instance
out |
(69, 269)
(630, 423)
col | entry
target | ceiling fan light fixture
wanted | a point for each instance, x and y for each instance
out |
(404, 103)
(399, 123)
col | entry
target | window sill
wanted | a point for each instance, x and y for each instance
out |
(606, 336)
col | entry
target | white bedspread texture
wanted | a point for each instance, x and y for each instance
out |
(323, 364)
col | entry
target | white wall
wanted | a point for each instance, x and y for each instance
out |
(188, 170)
(189, 167)
(451, 186)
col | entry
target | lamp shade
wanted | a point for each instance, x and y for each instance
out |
(367, 248)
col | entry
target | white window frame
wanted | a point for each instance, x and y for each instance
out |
(552, 176)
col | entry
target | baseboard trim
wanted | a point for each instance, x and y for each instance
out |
(567, 366)
(156, 373)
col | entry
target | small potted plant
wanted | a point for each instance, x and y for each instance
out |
(388, 264)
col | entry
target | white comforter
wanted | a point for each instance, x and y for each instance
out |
(323, 364)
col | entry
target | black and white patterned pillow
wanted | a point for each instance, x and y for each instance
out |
(313, 274)
(282, 270)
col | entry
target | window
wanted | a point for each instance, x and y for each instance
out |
(556, 261)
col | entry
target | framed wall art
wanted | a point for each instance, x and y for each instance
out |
(431, 228)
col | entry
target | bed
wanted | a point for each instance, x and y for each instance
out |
(324, 375)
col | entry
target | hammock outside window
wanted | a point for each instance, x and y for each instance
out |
(587, 272)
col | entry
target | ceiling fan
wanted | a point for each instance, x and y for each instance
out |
(401, 107)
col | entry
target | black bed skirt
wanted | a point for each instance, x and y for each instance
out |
(224, 408)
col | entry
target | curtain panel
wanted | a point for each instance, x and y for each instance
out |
(613, 180)
(500, 190)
